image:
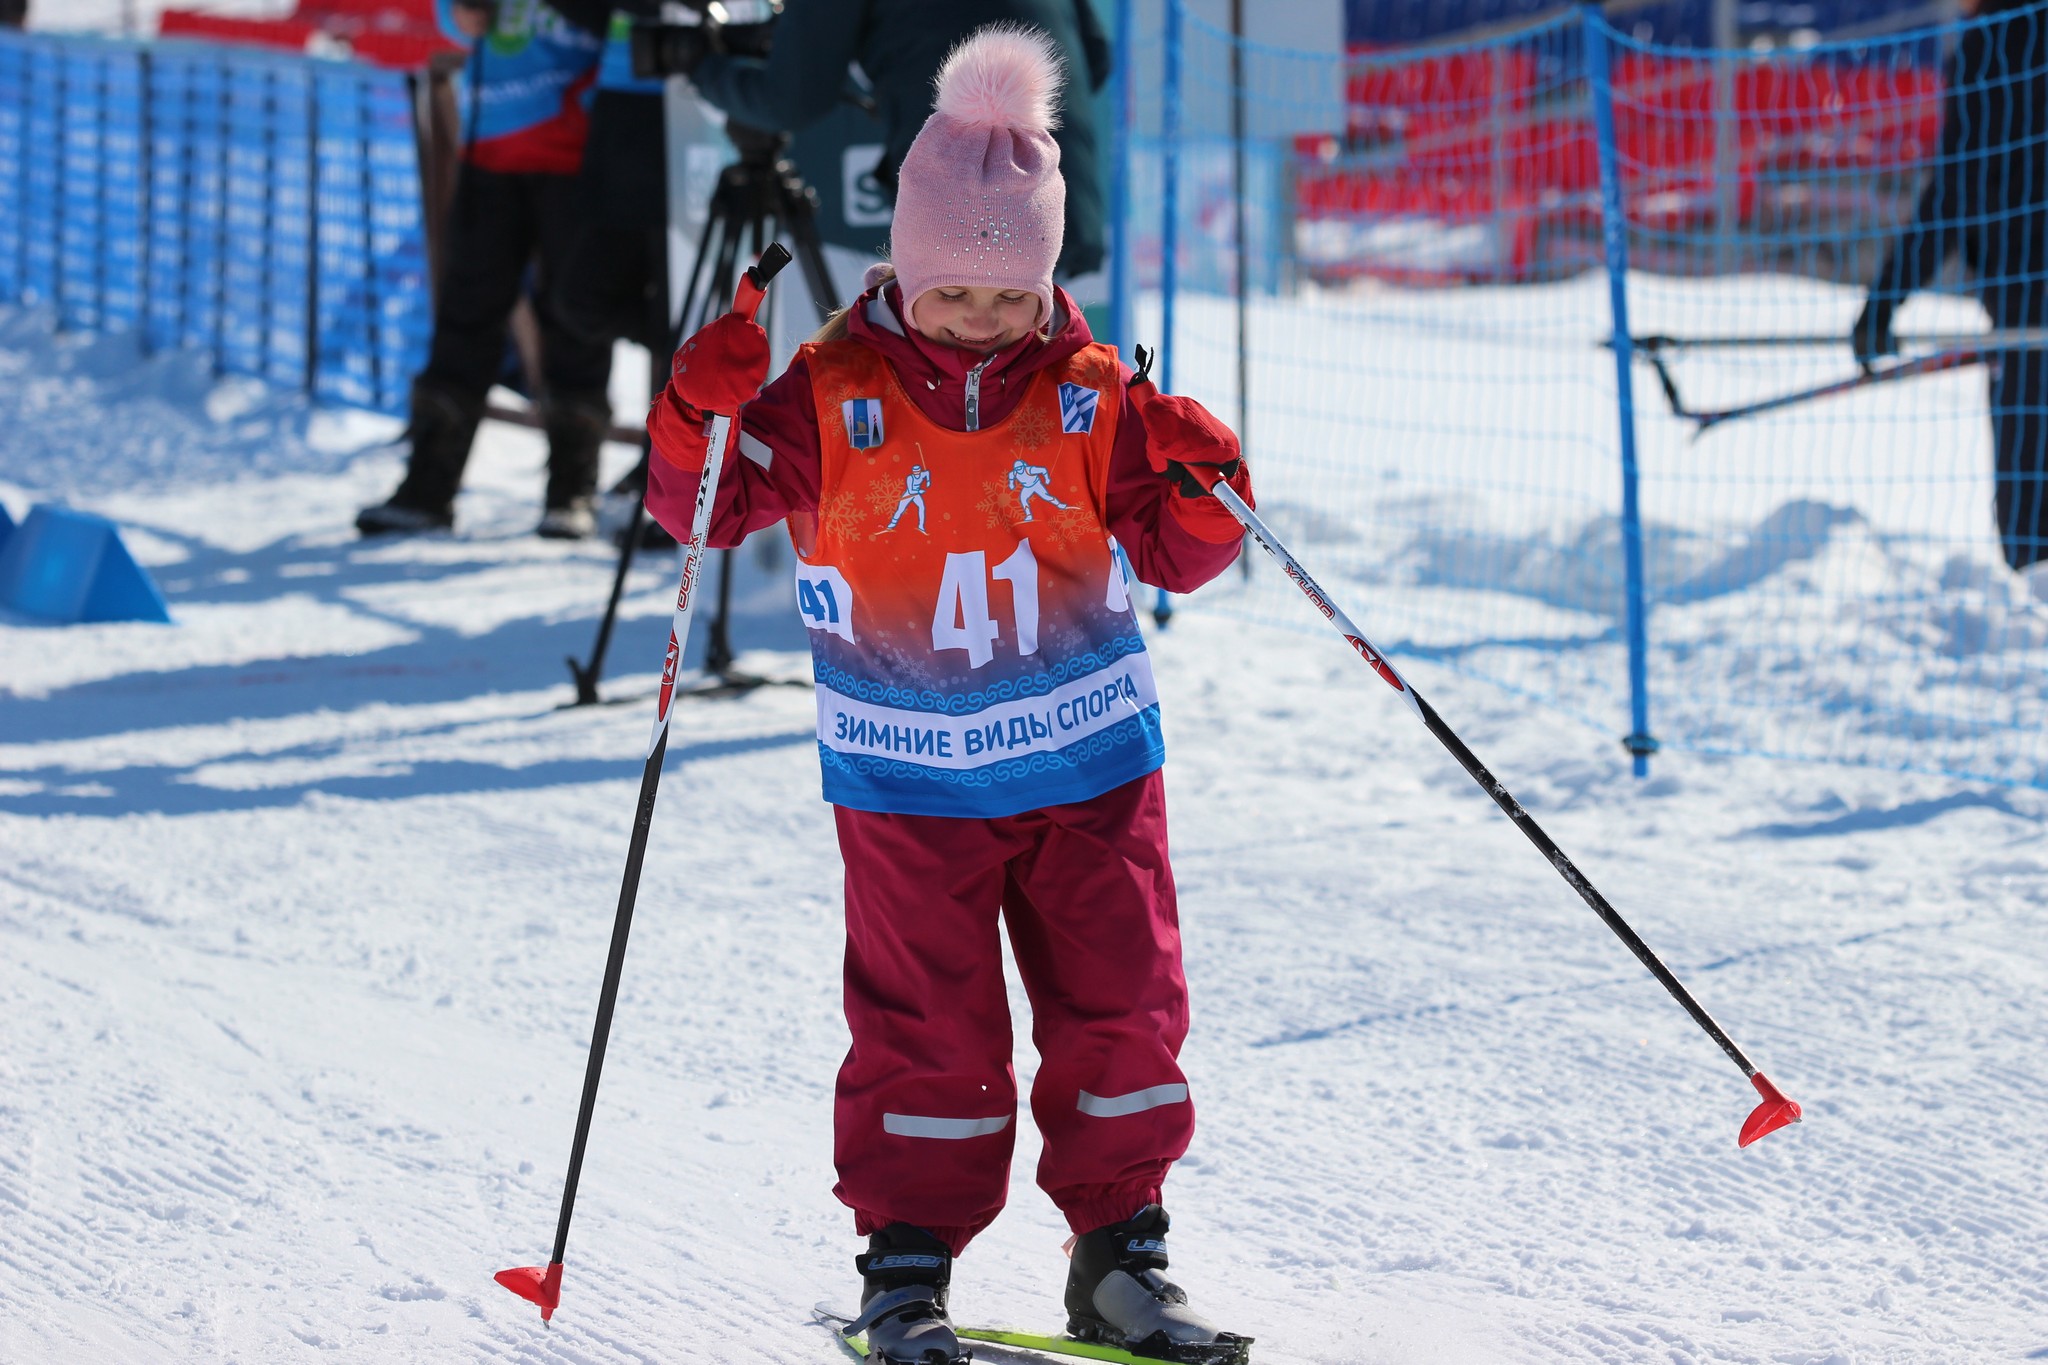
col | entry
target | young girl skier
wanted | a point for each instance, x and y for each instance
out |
(987, 720)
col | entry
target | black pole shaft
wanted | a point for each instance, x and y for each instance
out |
(1488, 783)
(587, 675)
(2020, 338)
(1577, 881)
(608, 998)
(747, 302)
(1933, 364)
(718, 655)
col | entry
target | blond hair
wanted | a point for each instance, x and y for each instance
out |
(834, 327)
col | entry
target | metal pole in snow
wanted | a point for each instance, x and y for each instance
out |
(1169, 193)
(1120, 255)
(1599, 71)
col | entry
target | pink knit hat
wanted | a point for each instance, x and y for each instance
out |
(979, 198)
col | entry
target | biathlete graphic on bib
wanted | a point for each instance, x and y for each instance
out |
(970, 616)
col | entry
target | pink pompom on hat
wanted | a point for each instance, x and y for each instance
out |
(979, 198)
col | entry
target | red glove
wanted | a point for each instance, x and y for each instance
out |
(1186, 443)
(719, 369)
(722, 367)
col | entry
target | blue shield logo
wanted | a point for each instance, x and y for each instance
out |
(1077, 409)
(863, 422)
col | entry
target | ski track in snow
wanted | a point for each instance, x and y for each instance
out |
(306, 901)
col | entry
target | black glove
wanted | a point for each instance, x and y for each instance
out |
(1872, 337)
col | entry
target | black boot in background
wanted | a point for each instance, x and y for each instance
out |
(904, 1276)
(444, 423)
(576, 425)
(1118, 1295)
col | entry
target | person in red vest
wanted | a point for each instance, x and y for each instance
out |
(988, 724)
(525, 124)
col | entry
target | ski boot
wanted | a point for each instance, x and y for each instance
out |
(444, 423)
(1118, 1295)
(576, 425)
(904, 1276)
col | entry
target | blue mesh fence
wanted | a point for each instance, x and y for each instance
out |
(1427, 417)
(1432, 386)
(264, 209)
(1839, 563)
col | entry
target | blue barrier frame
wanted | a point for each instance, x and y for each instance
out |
(1169, 193)
(1614, 237)
(183, 190)
(1122, 97)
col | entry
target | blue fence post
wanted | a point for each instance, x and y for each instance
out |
(1169, 193)
(1120, 258)
(145, 226)
(1599, 72)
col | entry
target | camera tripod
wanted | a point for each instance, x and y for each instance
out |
(760, 198)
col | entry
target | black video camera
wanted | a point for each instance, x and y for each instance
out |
(736, 28)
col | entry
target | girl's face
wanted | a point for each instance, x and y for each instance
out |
(974, 317)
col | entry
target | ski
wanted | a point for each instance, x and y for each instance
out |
(854, 1346)
(1228, 1352)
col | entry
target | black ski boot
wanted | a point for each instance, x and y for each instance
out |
(904, 1275)
(576, 425)
(443, 426)
(1118, 1295)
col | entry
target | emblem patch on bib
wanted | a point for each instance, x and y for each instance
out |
(863, 422)
(1077, 409)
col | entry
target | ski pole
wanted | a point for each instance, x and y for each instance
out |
(1905, 369)
(534, 1283)
(2012, 339)
(1775, 1111)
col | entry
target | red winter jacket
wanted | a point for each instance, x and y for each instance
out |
(773, 469)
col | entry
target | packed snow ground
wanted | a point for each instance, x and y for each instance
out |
(305, 903)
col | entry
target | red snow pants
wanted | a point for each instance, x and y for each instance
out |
(927, 1097)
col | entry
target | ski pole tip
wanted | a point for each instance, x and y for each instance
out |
(535, 1285)
(1774, 1113)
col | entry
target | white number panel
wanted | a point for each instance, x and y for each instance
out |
(824, 600)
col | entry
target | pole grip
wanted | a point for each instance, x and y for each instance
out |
(753, 285)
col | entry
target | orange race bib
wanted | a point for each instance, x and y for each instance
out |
(970, 616)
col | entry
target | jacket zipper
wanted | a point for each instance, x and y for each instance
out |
(974, 394)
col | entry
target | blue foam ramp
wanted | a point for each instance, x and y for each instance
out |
(6, 526)
(69, 566)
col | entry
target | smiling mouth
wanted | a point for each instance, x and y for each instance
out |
(974, 342)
